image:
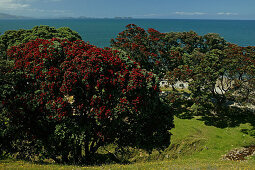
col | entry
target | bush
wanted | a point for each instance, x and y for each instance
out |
(73, 98)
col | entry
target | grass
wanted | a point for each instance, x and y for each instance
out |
(194, 146)
(169, 89)
(174, 164)
(215, 142)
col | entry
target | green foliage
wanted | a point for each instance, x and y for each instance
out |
(241, 63)
(220, 77)
(206, 68)
(218, 73)
(15, 37)
(8, 80)
(190, 41)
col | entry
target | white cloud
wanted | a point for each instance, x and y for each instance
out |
(190, 13)
(25, 8)
(12, 5)
(226, 13)
(147, 15)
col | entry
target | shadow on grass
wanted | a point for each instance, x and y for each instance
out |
(229, 117)
(97, 160)
(108, 158)
(225, 117)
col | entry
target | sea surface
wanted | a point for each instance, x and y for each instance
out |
(99, 32)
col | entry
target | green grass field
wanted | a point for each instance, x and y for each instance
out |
(193, 146)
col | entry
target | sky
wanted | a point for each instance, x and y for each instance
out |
(163, 9)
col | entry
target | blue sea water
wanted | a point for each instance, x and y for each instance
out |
(99, 31)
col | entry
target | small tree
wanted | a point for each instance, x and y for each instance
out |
(207, 69)
(113, 100)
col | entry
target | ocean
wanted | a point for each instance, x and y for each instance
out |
(99, 32)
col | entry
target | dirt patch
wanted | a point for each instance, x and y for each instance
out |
(240, 154)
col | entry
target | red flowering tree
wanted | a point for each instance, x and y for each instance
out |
(150, 49)
(74, 98)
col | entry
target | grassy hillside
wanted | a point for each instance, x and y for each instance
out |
(194, 145)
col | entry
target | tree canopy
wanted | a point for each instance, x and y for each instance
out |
(15, 37)
(216, 71)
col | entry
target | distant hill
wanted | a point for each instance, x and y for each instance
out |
(8, 16)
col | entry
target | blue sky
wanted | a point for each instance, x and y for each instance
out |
(165, 9)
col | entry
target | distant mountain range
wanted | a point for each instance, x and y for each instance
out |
(84, 17)
(8, 16)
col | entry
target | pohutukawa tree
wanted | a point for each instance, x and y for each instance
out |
(74, 98)
(149, 48)
(164, 53)
(217, 72)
